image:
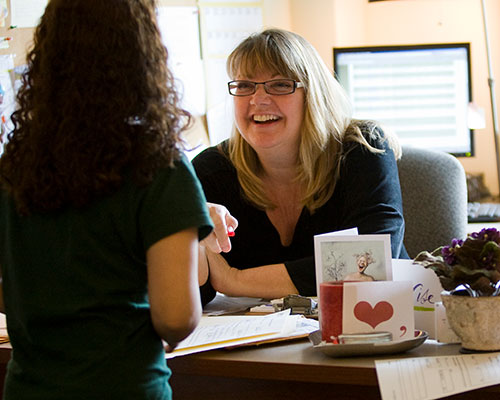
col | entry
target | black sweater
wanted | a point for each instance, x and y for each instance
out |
(367, 196)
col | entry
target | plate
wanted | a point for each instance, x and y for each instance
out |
(367, 349)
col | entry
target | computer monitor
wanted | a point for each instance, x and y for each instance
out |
(422, 91)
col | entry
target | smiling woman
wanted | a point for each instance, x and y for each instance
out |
(296, 165)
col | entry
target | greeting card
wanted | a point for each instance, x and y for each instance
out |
(340, 256)
(426, 292)
(378, 306)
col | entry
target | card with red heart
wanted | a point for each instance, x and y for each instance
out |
(379, 306)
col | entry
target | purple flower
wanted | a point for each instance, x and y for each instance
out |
(487, 234)
(473, 262)
(448, 252)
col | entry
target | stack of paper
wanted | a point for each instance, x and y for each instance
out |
(228, 331)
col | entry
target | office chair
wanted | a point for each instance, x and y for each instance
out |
(434, 190)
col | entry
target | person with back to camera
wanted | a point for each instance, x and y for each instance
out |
(296, 165)
(100, 211)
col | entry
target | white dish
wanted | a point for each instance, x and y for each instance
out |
(367, 349)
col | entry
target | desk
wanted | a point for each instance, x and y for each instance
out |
(290, 370)
(287, 370)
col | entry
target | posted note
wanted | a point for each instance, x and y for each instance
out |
(26, 13)
(427, 378)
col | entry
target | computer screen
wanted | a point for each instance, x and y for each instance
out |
(422, 92)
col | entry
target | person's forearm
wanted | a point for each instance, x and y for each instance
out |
(268, 281)
(202, 266)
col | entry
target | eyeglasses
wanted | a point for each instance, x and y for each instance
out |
(275, 86)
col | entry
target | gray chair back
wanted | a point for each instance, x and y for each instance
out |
(434, 190)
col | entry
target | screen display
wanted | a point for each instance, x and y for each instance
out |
(421, 92)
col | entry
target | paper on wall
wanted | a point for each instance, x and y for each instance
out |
(26, 13)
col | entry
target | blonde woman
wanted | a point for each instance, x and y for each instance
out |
(295, 166)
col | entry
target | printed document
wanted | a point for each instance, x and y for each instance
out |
(426, 378)
(229, 331)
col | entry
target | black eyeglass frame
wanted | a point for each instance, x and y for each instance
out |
(295, 86)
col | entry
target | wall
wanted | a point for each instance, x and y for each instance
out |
(277, 13)
(449, 21)
(21, 39)
(338, 23)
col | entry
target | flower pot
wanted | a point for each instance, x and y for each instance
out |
(475, 320)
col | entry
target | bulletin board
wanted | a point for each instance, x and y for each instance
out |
(16, 40)
(219, 25)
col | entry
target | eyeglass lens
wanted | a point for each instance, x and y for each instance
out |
(275, 86)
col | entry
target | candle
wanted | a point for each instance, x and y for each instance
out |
(330, 308)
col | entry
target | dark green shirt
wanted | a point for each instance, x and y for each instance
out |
(75, 290)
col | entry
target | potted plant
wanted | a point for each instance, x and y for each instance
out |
(469, 271)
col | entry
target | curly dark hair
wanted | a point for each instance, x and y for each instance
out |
(97, 102)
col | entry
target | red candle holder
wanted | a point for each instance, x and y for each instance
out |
(330, 310)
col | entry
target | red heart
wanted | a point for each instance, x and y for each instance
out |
(382, 311)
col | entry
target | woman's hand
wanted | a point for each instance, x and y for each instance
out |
(224, 226)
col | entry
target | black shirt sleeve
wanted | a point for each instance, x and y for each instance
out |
(367, 196)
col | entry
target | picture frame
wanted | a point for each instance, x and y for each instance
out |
(352, 258)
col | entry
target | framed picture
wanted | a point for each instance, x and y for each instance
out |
(352, 258)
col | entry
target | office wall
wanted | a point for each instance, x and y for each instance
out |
(330, 23)
(453, 21)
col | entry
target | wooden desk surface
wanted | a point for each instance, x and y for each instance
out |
(287, 370)
(293, 370)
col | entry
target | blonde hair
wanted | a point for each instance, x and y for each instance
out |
(367, 255)
(327, 123)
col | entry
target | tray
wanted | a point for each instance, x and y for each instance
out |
(367, 349)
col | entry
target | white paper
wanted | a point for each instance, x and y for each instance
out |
(426, 292)
(4, 12)
(223, 304)
(220, 121)
(8, 103)
(223, 331)
(26, 13)
(427, 378)
(345, 232)
(224, 25)
(180, 33)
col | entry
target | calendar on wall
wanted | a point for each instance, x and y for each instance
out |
(223, 26)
